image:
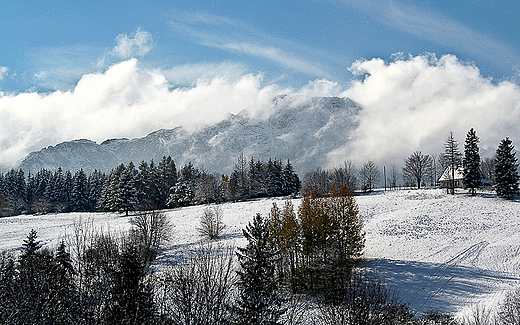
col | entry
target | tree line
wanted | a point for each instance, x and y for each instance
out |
(145, 187)
(501, 170)
(421, 170)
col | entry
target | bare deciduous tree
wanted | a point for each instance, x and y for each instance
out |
(151, 229)
(369, 176)
(200, 290)
(211, 225)
(393, 177)
(416, 168)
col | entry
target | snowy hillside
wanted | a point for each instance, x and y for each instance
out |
(439, 251)
(302, 129)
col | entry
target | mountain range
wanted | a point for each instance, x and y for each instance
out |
(303, 130)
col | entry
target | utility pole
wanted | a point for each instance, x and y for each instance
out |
(384, 175)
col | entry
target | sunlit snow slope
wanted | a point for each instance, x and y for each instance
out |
(439, 251)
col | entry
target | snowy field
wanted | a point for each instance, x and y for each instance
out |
(439, 251)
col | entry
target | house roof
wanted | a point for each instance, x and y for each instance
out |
(447, 175)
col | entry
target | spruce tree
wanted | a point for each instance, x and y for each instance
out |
(79, 197)
(96, 182)
(108, 197)
(452, 157)
(126, 197)
(290, 181)
(506, 173)
(168, 176)
(258, 301)
(471, 162)
(131, 299)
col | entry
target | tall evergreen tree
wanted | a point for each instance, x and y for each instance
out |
(79, 196)
(96, 183)
(471, 162)
(168, 172)
(15, 191)
(240, 179)
(145, 186)
(108, 200)
(126, 196)
(506, 170)
(274, 176)
(290, 182)
(258, 301)
(132, 299)
(452, 157)
(257, 179)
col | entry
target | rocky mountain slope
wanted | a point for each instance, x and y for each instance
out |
(303, 130)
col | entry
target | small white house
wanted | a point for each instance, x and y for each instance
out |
(447, 176)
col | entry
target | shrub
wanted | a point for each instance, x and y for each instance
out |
(211, 225)
(151, 229)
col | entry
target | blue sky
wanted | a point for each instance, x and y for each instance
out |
(50, 45)
(105, 69)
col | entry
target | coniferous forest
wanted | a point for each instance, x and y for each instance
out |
(144, 187)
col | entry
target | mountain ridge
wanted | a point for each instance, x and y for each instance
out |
(303, 130)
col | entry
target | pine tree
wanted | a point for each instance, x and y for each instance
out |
(63, 291)
(290, 181)
(96, 183)
(111, 192)
(471, 162)
(79, 196)
(506, 170)
(168, 173)
(144, 186)
(7, 287)
(126, 196)
(33, 282)
(258, 301)
(274, 177)
(452, 157)
(15, 191)
(68, 184)
(240, 180)
(132, 299)
(257, 186)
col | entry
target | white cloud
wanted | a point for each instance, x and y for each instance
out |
(411, 104)
(3, 72)
(277, 55)
(124, 101)
(138, 43)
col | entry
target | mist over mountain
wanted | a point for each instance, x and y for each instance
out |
(302, 129)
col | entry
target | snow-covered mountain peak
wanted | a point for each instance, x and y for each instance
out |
(302, 129)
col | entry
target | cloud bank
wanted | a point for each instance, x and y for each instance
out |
(124, 101)
(410, 103)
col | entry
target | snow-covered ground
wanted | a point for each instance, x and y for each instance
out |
(439, 251)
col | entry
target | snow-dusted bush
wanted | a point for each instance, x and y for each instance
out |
(151, 229)
(211, 225)
(198, 290)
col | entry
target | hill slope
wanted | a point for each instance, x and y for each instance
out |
(303, 130)
(439, 251)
